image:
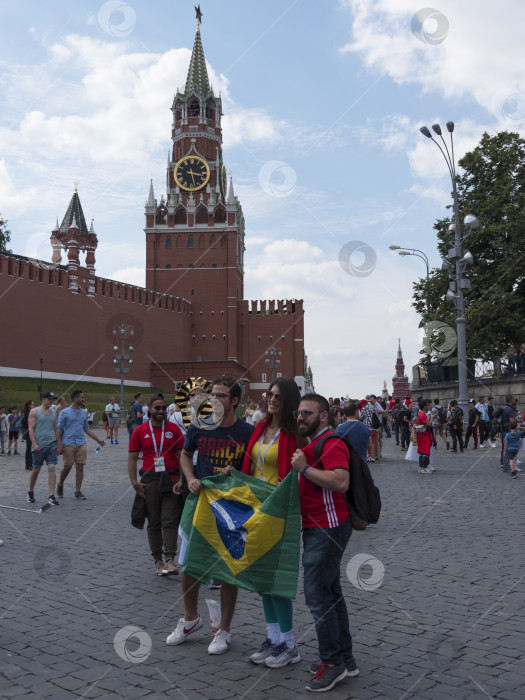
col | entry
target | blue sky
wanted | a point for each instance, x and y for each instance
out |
(323, 103)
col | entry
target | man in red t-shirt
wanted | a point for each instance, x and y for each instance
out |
(326, 531)
(161, 481)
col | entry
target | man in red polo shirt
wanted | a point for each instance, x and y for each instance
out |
(161, 443)
(326, 531)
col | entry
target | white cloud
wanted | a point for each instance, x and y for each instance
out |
(358, 319)
(479, 56)
(131, 275)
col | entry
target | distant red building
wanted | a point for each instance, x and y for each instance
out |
(401, 384)
(192, 318)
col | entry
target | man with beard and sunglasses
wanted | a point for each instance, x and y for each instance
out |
(160, 484)
(326, 531)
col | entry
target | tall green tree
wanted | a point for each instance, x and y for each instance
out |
(491, 186)
(5, 236)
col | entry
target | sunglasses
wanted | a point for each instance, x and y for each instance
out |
(304, 413)
(159, 408)
(273, 395)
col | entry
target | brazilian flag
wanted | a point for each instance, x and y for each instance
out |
(246, 532)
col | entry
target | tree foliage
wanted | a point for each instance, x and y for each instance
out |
(5, 236)
(491, 186)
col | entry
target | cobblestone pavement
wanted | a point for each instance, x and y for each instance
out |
(434, 591)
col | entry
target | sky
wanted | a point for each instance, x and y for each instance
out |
(322, 107)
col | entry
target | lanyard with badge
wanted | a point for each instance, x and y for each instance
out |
(261, 456)
(158, 460)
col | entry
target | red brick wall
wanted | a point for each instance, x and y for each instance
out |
(72, 332)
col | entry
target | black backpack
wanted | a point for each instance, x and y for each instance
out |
(442, 415)
(456, 418)
(364, 501)
(131, 416)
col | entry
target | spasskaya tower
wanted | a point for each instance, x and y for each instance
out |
(195, 250)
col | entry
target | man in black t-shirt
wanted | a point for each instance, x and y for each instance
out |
(405, 416)
(219, 448)
(474, 417)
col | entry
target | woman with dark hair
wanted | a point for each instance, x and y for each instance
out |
(24, 429)
(268, 456)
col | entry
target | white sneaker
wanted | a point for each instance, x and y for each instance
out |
(430, 469)
(183, 630)
(481, 447)
(282, 656)
(518, 461)
(221, 642)
(493, 444)
(424, 471)
(517, 468)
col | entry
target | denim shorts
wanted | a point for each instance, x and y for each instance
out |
(47, 454)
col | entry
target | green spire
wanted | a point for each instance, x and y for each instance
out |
(197, 73)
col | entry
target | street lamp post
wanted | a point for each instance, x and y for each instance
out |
(272, 362)
(419, 254)
(463, 258)
(123, 330)
(412, 251)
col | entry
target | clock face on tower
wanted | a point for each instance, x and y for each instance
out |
(191, 173)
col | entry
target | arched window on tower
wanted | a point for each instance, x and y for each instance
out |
(210, 109)
(195, 108)
(202, 215)
(190, 241)
(168, 267)
(161, 215)
(180, 216)
(168, 243)
(220, 215)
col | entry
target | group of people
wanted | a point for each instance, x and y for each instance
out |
(516, 359)
(417, 426)
(204, 436)
(50, 430)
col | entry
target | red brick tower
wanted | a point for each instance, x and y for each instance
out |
(195, 238)
(400, 381)
(73, 236)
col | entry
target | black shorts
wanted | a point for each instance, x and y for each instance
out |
(13, 434)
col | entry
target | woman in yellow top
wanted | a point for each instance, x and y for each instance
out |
(268, 456)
